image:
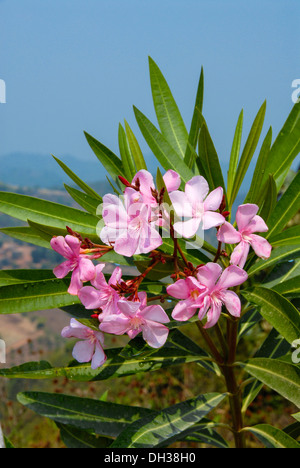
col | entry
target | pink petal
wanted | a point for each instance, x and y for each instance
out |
(213, 314)
(116, 276)
(155, 334)
(155, 313)
(181, 204)
(113, 212)
(172, 180)
(115, 324)
(149, 240)
(187, 228)
(232, 303)
(63, 269)
(76, 283)
(204, 307)
(99, 280)
(127, 243)
(232, 276)
(211, 219)
(75, 330)
(83, 351)
(244, 215)
(179, 289)
(240, 254)
(228, 234)
(129, 308)
(213, 200)
(74, 243)
(257, 224)
(183, 311)
(86, 269)
(209, 274)
(90, 297)
(146, 182)
(60, 246)
(133, 333)
(196, 189)
(143, 299)
(99, 357)
(261, 246)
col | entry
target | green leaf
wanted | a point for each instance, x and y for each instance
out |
(287, 237)
(248, 152)
(103, 418)
(126, 155)
(86, 188)
(35, 295)
(272, 437)
(209, 159)
(108, 159)
(235, 154)
(8, 277)
(277, 310)
(286, 208)
(293, 430)
(273, 347)
(270, 200)
(90, 204)
(290, 288)
(282, 377)
(161, 148)
(167, 113)
(281, 273)
(115, 366)
(285, 148)
(197, 121)
(206, 435)
(160, 429)
(47, 232)
(135, 149)
(280, 254)
(77, 438)
(26, 234)
(257, 191)
(45, 212)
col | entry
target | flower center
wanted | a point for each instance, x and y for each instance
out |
(195, 294)
(136, 322)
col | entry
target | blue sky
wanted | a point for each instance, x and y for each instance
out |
(75, 65)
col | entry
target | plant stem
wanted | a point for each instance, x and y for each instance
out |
(219, 359)
(233, 388)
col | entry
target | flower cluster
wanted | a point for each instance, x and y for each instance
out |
(132, 225)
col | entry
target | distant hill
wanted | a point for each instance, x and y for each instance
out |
(35, 170)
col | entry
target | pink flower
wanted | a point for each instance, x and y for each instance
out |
(146, 183)
(248, 223)
(90, 348)
(136, 317)
(217, 283)
(208, 292)
(128, 225)
(82, 267)
(191, 291)
(195, 203)
(102, 295)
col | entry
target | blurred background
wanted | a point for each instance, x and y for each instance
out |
(71, 66)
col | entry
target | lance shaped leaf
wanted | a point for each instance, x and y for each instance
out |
(272, 437)
(159, 429)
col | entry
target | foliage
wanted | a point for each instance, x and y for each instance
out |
(269, 294)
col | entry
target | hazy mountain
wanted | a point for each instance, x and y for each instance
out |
(35, 170)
